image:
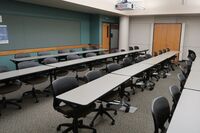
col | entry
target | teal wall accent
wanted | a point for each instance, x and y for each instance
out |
(14, 12)
(94, 29)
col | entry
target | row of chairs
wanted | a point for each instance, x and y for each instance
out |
(92, 75)
(160, 106)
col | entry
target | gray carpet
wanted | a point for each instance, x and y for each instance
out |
(42, 118)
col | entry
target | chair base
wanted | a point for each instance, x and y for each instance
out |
(100, 111)
(74, 126)
(33, 93)
(5, 102)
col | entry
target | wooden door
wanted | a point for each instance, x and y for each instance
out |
(106, 36)
(167, 36)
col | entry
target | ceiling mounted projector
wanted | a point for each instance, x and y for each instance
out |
(124, 5)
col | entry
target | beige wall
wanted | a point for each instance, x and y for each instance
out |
(140, 31)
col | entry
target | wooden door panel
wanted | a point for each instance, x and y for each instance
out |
(106, 36)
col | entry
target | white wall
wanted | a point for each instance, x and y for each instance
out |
(140, 31)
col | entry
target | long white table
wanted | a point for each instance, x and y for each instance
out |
(186, 118)
(160, 58)
(54, 55)
(89, 92)
(26, 71)
(133, 69)
(94, 58)
(192, 81)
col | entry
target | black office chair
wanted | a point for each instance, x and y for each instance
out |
(90, 76)
(85, 49)
(155, 54)
(70, 110)
(72, 50)
(160, 52)
(62, 51)
(90, 54)
(182, 80)
(136, 47)
(175, 93)
(113, 67)
(9, 86)
(22, 55)
(77, 68)
(32, 79)
(167, 49)
(127, 61)
(191, 55)
(43, 53)
(131, 48)
(164, 50)
(161, 113)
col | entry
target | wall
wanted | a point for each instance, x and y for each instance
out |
(13, 14)
(141, 31)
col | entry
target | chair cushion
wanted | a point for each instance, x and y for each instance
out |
(9, 87)
(76, 111)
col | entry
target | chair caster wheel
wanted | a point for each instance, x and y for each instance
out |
(127, 110)
(142, 90)
(115, 113)
(19, 101)
(37, 101)
(91, 124)
(58, 128)
(94, 131)
(19, 108)
(133, 93)
(129, 99)
(47, 95)
(113, 123)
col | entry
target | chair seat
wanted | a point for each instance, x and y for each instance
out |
(35, 79)
(78, 111)
(8, 88)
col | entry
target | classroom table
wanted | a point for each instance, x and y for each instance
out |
(94, 58)
(23, 72)
(160, 58)
(18, 60)
(133, 70)
(186, 118)
(89, 92)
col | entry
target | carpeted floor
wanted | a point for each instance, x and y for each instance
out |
(42, 118)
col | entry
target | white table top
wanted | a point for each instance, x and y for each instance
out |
(93, 58)
(55, 55)
(192, 81)
(89, 92)
(186, 118)
(133, 69)
(26, 71)
(157, 59)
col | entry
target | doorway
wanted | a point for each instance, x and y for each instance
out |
(110, 35)
(166, 35)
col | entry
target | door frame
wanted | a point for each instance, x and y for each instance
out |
(181, 38)
(110, 23)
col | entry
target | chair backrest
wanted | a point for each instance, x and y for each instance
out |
(27, 64)
(23, 55)
(3, 68)
(139, 59)
(191, 54)
(63, 51)
(92, 75)
(62, 85)
(164, 50)
(43, 53)
(90, 54)
(167, 49)
(155, 54)
(127, 61)
(49, 60)
(136, 47)
(147, 56)
(73, 57)
(72, 50)
(175, 93)
(122, 50)
(160, 52)
(182, 80)
(131, 48)
(113, 67)
(160, 112)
